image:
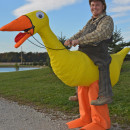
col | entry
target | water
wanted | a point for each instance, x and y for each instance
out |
(13, 69)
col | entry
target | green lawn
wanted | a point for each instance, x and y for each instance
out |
(43, 89)
(40, 87)
(120, 109)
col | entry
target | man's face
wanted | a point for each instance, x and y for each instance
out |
(96, 8)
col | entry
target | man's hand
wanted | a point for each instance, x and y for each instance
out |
(71, 43)
(68, 43)
(75, 43)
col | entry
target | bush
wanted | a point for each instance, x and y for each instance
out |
(41, 62)
(35, 63)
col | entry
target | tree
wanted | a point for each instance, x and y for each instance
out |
(48, 61)
(117, 42)
(62, 39)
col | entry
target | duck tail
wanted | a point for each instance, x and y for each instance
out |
(118, 59)
(123, 53)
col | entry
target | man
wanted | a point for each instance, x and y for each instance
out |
(93, 40)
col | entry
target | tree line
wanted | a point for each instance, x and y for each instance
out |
(23, 56)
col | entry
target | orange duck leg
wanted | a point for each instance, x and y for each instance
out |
(91, 117)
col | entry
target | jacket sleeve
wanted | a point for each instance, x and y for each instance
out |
(104, 31)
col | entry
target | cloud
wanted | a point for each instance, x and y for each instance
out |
(121, 1)
(122, 21)
(45, 5)
(120, 6)
(120, 9)
(118, 15)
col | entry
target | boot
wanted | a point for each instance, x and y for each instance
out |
(101, 101)
(73, 98)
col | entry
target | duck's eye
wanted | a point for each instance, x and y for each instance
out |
(40, 15)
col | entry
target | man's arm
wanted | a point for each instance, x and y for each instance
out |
(104, 31)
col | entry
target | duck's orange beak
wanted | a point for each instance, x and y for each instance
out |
(23, 23)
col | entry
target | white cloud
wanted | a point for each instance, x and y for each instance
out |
(120, 9)
(122, 21)
(45, 5)
(118, 15)
(121, 1)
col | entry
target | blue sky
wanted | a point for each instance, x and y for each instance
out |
(66, 16)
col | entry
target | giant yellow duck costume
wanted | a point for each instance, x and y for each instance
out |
(70, 67)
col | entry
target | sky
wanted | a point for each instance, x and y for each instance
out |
(66, 16)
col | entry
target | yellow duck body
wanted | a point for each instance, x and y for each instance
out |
(74, 68)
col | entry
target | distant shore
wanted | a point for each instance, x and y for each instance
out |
(12, 64)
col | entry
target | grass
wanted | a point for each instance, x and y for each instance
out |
(120, 109)
(43, 89)
(39, 87)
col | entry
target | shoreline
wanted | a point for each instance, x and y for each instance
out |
(13, 65)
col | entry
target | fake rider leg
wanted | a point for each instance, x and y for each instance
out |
(105, 88)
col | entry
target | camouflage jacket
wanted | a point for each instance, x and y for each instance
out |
(96, 30)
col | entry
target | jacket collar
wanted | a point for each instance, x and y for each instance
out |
(99, 17)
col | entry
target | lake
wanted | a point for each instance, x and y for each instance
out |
(13, 69)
